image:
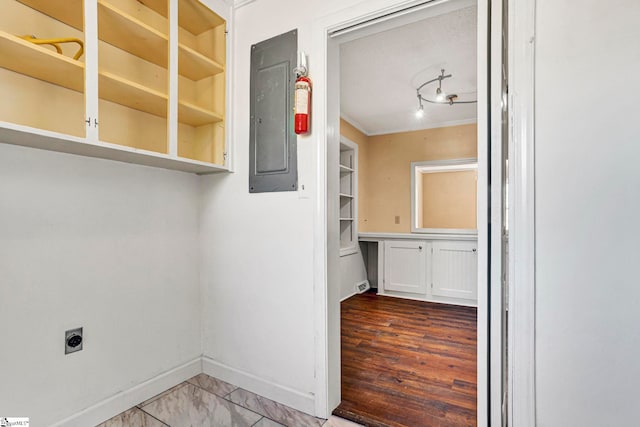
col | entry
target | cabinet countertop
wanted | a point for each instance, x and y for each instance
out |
(373, 236)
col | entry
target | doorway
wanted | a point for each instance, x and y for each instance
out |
(408, 126)
(350, 25)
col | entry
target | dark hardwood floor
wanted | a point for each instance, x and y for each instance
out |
(407, 363)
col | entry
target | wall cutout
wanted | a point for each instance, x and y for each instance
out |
(443, 196)
(272, 146)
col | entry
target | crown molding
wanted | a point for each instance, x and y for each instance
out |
(430, 126)
(354, 123)
(239, 3)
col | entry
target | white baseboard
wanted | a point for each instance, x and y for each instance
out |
(348, 296)
(126, 399)
(299, 400)
(437, 300)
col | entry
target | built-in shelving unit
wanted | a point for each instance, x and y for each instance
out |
(348, 197)
(133, 78)
(201, 66)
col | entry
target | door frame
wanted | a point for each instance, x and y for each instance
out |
(521, 322)
(326, 248)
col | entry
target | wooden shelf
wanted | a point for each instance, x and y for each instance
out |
(130, 94)
(193, 115)
(194, 65)
(70, 12)
(158, 6)
(132, 35)
(196, 18)
(41, 63)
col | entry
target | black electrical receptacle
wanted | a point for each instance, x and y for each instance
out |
(73, 340)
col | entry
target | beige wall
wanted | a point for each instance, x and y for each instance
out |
(385, 170)
(449, 199)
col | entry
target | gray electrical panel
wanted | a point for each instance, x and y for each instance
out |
(272, 145)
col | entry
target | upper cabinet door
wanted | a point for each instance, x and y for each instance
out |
(43, 84)
(454, 270)
(405, 266)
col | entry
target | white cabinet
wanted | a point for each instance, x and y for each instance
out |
(429, 269)
(149, 87)
(405, 268)
(454, 270)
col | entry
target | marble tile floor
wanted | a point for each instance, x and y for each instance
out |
(204, 401)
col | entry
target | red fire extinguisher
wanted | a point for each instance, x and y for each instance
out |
(302, 104)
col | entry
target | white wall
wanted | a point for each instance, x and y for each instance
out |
(587, 210)
(257, 249)
(108, 246)
(352, 272)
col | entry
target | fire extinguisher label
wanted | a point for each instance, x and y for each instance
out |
(302, 101)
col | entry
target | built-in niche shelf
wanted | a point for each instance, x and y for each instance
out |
(128, 107)
(345, 169)
(348, 197)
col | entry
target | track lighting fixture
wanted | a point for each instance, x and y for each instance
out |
(441, 96)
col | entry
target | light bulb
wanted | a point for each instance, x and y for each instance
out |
(440, 95)
(420, 112)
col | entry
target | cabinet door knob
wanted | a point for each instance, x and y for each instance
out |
(474, 249)
(420, 247)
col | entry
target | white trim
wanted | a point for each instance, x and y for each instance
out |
(354, 123)
(384, 17)
(262, 386)
(172, 126)
(522, 403)
(126, 399)
(438, 125)
(482, 214)
(435, 300)
(229, 99)
(376, 237)
(91, 95)
(423, 167)
(25, 136)
(348, 296)
(497, 341)
(320, 243)
(239, 3)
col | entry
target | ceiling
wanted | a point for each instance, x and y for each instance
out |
(380, 74)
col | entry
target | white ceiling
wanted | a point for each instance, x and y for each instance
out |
(380, 74)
